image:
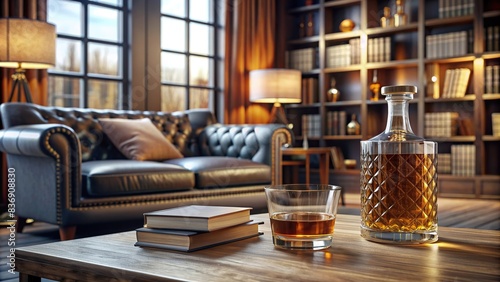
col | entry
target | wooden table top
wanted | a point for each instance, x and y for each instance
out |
(459, 255)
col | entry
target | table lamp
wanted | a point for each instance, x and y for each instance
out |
(26, 44)
(276, 86)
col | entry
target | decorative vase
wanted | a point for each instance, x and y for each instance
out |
(333, 93)
(400, 17)
(347, 25)
(387, 20)
(375, 87)
(353, 127)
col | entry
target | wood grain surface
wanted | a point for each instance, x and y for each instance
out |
(460, 255)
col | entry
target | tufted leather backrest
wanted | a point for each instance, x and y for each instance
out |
(246, 141)
(95, 145)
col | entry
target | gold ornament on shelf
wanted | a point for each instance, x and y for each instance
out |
(387, 20)
(375, 87)
(347, 25)
(333, 93)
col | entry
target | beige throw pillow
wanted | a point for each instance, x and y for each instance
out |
(139, 139)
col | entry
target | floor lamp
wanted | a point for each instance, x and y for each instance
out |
(276, 86)
(26, 44)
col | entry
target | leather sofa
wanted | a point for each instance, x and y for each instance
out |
(69, 173)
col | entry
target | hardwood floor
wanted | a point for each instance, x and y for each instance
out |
(463, 213)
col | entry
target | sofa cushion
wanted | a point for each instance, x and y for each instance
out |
(220, 172)
(139, 139)
(128, 177)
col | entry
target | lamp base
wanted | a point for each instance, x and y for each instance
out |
(18, 81)
(278, 115)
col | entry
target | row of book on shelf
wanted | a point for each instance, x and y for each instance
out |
(336, 124)
(379, 49)
(492, 36)
(195, 227)
(455, 8)
(450, 44)
(461, 161)
(492, 79)
(304, 60)
(344, 54)
(447, 124)
(456, 82)
(310, 90)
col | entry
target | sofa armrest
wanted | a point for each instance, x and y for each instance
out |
(46, 158)
(257, 142)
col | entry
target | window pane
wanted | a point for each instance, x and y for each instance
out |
(173, 98)
(68, 55)
(174, 7)
(110, 2)
(200, 74)
(201, 39)
(200, 98)
(64, 92)
(103, 94)
(67, 16)
(173, 34)
(201, 10)
(103, 59)
(103, 23)
(173, 68)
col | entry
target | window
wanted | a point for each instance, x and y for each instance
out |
(190, 53)
(91, 64)
(95, 54)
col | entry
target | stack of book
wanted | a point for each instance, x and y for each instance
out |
(195, 227)
(336, 122)
(449, 9)
(302, 59)
(492, 35)
(450, 44)
(455, 83)
(463, 160)
(310, 90)
(441, 124)
(492, 79)
(444, 163)
(379, 49)
(343, 54)
(311, 125)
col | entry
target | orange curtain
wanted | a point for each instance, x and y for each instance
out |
(249, 45)
(37, 79)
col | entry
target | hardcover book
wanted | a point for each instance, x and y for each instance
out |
(187, 241)
(197, 217)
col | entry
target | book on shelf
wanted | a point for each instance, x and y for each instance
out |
(450, 44)
(197, 217)
(188, 241)
(441, 124)
(444, 163)
(492, 79)
(337, 158)
(463, 160)
(310, 90)
(303, 60)
(379, 49)
(456, 82)
(449, 9)
(466, 126)
(311, 125)
(336, 122)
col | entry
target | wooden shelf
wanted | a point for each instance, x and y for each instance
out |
(468, 97)
(411, 67)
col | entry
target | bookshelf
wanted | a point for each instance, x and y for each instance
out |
(435, 39)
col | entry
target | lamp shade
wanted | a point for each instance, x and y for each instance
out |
(27, 44)
(275, 86)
